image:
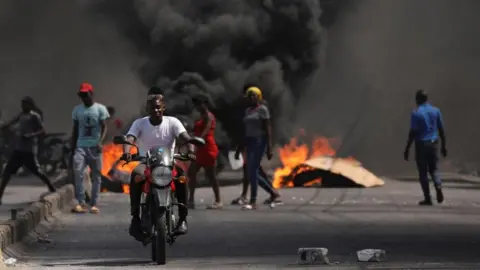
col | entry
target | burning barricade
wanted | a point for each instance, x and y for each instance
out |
(115, 173)
(318, 166)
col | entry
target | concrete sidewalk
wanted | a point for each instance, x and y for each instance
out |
(24, 191)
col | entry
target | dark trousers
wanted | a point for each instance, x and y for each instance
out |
(426, 156)
(263, 181)
(19, 159)
(136, 192)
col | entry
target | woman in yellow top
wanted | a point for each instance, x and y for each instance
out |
(257, 142)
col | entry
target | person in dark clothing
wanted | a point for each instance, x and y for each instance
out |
(41, 137)
(35, 108)
(426, 126)
(26, 145)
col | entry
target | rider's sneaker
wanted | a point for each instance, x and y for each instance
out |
(182, 228)
(135, 229)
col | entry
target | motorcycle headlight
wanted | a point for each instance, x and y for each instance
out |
(162, 176)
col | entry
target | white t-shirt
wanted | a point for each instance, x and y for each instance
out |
(163, 135)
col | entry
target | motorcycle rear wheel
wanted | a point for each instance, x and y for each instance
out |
(159, 241)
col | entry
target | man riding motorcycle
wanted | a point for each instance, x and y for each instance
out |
(150, 131)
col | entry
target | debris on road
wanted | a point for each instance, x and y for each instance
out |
(313, 256)
(372, 255)
(10, 262)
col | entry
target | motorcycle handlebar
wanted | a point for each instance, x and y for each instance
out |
(181, 157)
(133, 158)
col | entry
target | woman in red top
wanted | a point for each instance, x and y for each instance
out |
(207, 154)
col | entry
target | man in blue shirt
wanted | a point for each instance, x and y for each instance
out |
(89, 131)
(426, 126)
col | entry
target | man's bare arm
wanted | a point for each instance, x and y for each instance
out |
(131, 139)
(411, 137)
(185, 138)
(441, 131)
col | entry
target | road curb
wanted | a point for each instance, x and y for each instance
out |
(13, 231)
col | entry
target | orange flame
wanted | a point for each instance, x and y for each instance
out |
(111, 155)
(293, 154)
(126, 189)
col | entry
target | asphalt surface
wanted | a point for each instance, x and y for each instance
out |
(342, 220)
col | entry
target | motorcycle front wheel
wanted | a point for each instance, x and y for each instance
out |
(159, 241)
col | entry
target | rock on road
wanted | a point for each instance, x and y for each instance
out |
(342, 220)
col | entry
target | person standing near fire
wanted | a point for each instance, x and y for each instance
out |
(89, 132)
(257, 142)
(30, 126)
(263, 181)
(207, 154)
(426, 126)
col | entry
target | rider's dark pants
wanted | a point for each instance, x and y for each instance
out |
(136, 192)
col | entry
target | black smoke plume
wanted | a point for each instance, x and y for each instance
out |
(214, 47)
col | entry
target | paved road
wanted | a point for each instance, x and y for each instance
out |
(341, 220)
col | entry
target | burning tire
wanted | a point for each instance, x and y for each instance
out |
(331, 172)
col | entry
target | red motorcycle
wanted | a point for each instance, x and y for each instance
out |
(159, 206)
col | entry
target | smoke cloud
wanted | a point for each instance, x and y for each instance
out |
(378, 53)
(214, 47)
